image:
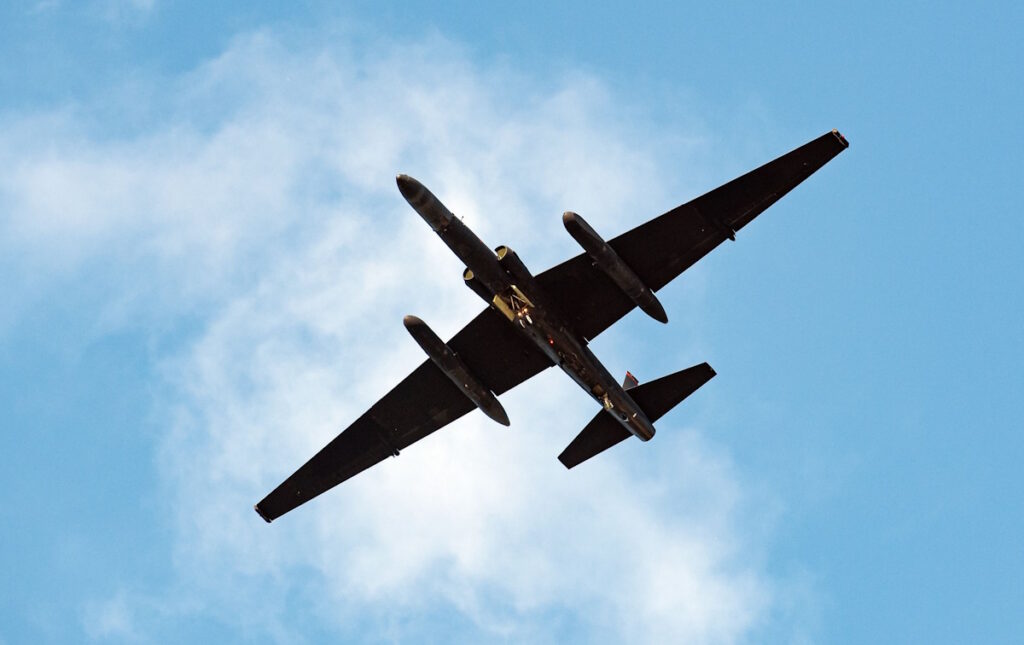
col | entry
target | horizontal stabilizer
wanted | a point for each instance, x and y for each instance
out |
(655, 398)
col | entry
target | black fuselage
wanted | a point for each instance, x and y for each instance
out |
(502, 280)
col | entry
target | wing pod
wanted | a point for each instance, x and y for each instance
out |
(453, 367)
(606, 259)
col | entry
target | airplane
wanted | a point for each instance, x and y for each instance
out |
(535, 321)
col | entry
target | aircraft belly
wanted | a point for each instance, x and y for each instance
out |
(554, 313)
(576, 360)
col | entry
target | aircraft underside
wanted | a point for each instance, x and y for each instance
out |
(533, 322)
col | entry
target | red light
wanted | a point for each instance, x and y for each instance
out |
(551, 341)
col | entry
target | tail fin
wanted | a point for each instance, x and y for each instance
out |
(629, 382)
(655, 398)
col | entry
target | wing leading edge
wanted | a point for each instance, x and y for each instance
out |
(664, 247)
(423, 402)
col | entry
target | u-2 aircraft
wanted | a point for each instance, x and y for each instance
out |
(535, 321)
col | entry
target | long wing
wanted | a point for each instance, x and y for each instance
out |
(657, 251)
(664, 247)
(423, 402)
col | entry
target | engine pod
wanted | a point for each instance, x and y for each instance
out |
(449, 362)
(606, 259)
(474, 283)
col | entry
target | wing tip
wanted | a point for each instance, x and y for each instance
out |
(266, 519)
(839, 137)
(568, 461)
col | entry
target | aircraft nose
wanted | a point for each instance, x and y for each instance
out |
(411, 189)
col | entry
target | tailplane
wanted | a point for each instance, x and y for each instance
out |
(655, 399)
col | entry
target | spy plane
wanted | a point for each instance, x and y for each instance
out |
(533, 322)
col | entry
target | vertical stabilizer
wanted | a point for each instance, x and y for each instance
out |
(629, 382)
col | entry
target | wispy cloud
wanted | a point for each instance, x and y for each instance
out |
(266, 201)
(111, 619)
(44, 6)
(120, 12)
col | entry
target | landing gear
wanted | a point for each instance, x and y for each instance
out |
(515, 305)
(521, 307)
(602, 396)
(608, 405)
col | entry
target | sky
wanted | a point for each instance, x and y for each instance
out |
(204, 262)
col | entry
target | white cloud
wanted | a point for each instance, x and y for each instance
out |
(275, 209)
(111, 619)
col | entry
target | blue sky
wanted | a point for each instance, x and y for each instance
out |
(204, 264)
